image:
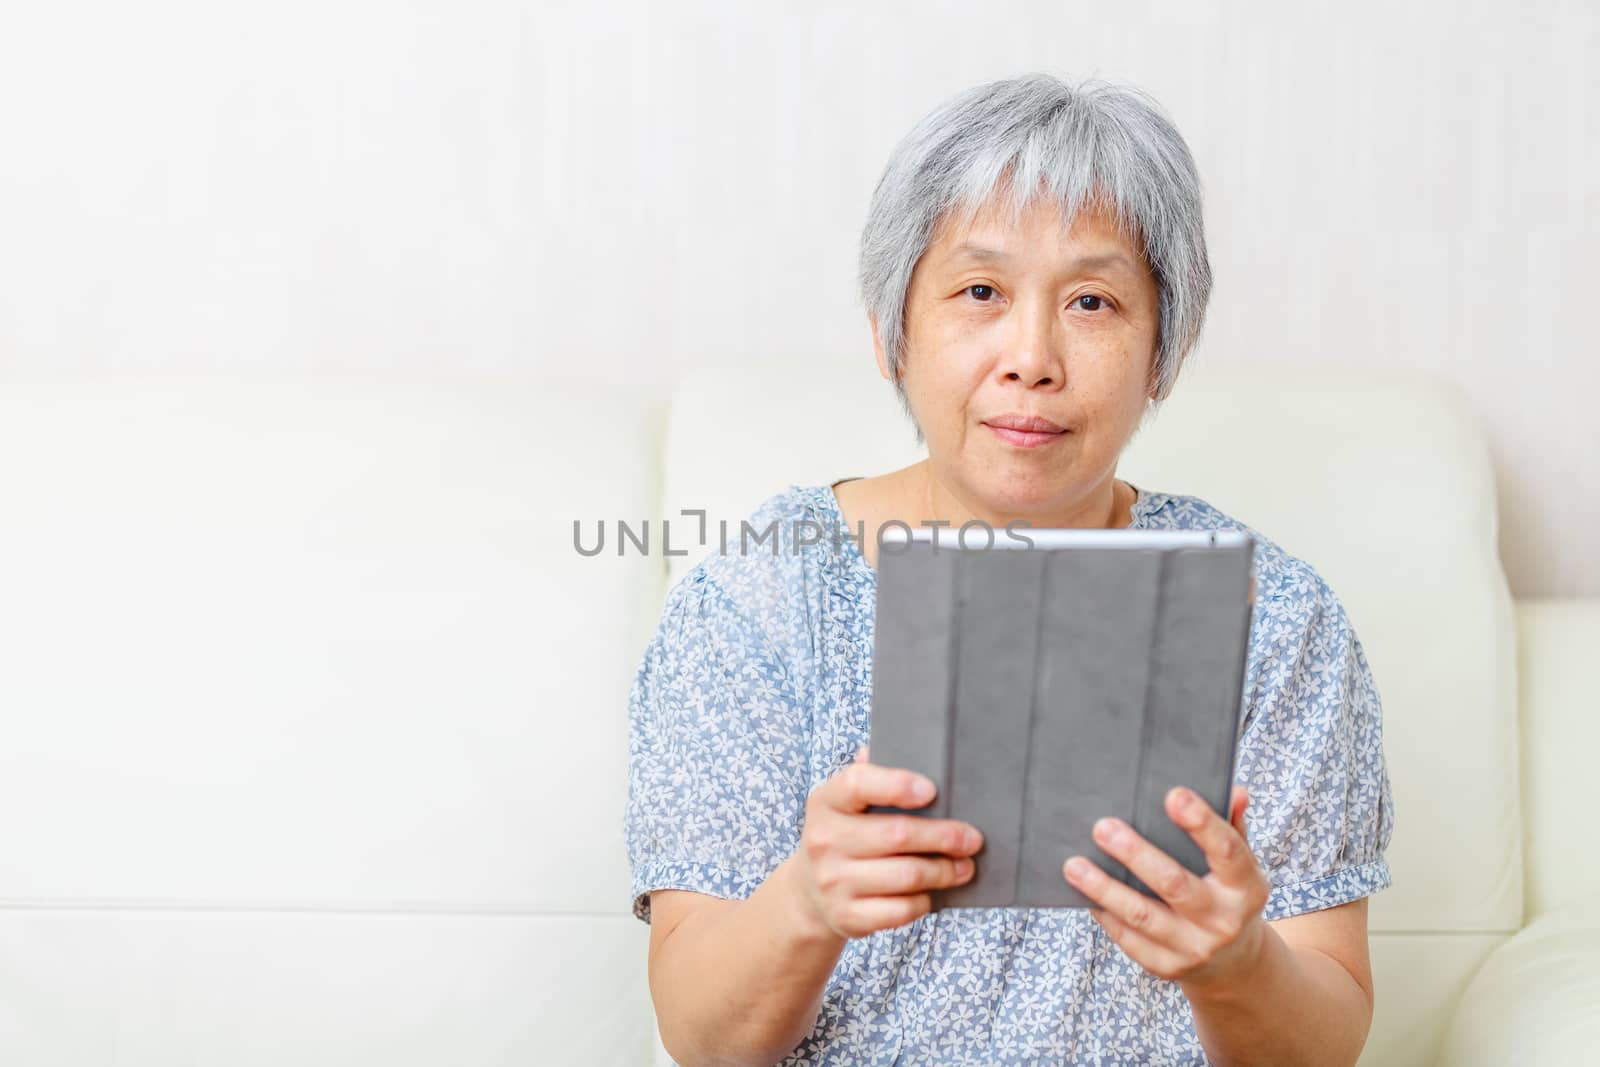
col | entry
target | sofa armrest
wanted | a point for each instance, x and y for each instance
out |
(1558, 728)
(1536, 999)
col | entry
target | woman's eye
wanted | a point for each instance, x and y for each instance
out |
(1094, 303)
(981, 292)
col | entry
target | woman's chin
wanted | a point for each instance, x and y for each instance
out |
(1017, 496)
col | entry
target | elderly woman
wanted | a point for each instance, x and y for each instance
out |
(1034, 270)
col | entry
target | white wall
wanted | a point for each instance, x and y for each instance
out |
(628, 191)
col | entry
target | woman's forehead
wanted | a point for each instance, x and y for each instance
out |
(997, 235)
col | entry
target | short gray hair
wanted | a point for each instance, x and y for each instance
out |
(1082, 142)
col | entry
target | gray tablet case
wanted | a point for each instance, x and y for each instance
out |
(1042, 688)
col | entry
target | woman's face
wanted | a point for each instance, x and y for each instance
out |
(1026, 323)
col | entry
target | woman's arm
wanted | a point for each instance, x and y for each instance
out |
(740, 982)
(1307, 999)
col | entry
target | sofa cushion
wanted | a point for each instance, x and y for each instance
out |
(1536, 999)
(320, 642)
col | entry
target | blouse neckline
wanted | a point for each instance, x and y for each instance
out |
(1143, 504)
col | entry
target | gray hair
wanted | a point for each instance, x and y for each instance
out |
(1095, 142)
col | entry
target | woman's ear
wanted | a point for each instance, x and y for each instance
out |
(877, 349)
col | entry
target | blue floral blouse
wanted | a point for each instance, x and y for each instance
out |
(757, 686)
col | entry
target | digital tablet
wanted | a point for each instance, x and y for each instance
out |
(1047, 679)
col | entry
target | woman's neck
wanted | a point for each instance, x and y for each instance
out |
(915, 496)
(1109, 507)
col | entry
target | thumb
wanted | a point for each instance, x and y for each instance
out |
(1240, 800)
(861, 754)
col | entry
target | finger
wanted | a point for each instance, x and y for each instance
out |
(862, 784)
(895, 875)
(1240, 800)
(887, 834)
(865, 915)
(861, 754)
(1227, 851)
(1144, 915)
(1177, 886)
(1158, 959)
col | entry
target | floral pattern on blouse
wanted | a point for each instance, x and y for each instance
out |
(757, 685)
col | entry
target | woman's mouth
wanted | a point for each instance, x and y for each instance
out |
(1025, 431)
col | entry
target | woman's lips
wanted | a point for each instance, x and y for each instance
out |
(1026, 438)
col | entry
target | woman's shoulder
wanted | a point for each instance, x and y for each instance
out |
(768, 566)
(1282, 578)
(767, 544)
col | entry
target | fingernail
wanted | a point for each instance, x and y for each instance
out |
(922, 789)
(972, 839)
(963, 869)
(1077, 866)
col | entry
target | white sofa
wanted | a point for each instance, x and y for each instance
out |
(313, 730)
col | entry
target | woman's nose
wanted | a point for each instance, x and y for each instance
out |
(1033, 354)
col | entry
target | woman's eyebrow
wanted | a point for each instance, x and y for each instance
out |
(1105, 259)
(969, 250)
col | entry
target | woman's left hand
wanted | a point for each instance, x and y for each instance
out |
(1202, 929)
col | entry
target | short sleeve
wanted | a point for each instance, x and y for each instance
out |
(1320, 813)
(717, 768)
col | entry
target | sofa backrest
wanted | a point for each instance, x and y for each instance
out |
(312, 731)
(1380, 479)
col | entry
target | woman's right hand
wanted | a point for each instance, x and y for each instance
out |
(859, 870)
